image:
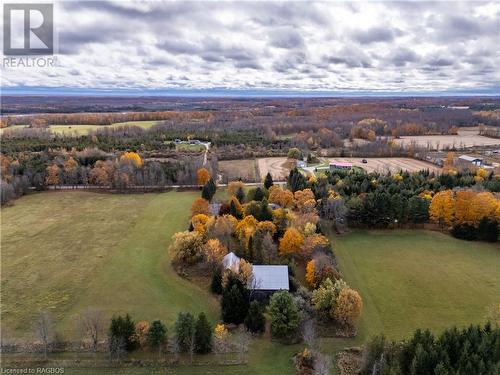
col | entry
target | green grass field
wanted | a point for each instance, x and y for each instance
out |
(84, 129)
(65, 251)
(418, 279)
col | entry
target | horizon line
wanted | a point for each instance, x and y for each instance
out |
(241, 93)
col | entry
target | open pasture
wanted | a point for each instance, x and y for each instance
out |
(411, 279)
(64, 252)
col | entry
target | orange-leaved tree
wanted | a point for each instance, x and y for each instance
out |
(202, 176)
(200, 206)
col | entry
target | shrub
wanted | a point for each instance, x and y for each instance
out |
(464, 232)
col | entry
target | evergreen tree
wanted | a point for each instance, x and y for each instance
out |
(216, 284)
(184, 331)
(255, 321)
(418, 210)
(233, 210)
(203, 335)
(157, 335)
(122, 330)
(268, 181)
(209, 190)
(240, 194)
(234, 303)
(265, 211)
(285, 317)
(258, 194)
(487, 230)
(296, 180)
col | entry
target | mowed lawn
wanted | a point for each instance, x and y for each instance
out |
(418, 279)
(66, 251)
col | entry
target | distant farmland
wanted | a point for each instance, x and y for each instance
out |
(392, 165)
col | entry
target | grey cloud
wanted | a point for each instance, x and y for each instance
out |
(286, 38)
(375, 34)
(402, 56)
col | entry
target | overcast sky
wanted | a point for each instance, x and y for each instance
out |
(390, 46)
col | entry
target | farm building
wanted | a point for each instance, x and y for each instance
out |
(231, 261)
(266, 279)
(467, 160)
(270, 278)
(339, 165)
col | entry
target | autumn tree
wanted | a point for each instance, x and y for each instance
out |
(442, 208)
(348, 307)
(464, 213)
(282, 197)
(200, 206)
(305, 200)
(53, 175)
(291, 242)
(202, 176)
(214, 252)
(319, 269)
(187, 247)
(131, 158)
(314, 243)
(222, 228)
(141, 332)
(199, 223)
(92, 325)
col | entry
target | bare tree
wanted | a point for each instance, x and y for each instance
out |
(44, 331)
(191, 346)
(116, 348)
(322, 364)
(309, 334)
(242, 341)
(91, 322)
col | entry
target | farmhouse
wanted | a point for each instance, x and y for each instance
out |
(231, 261)
(339, 165)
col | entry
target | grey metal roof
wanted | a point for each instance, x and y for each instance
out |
(270, 277)
(469, 158)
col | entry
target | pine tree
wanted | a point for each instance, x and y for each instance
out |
(184, 331)
(123, 329)
(258, 194)
(203, 335)
(240, 195)
(157, 335)
(268, 181)
(255, 321)
(216, 284)
(234, 303)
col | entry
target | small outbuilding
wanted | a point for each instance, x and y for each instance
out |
(231, 261)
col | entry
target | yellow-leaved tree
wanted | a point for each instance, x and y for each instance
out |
(132, 158)
(291, 242)
(442, 208)
(200, 206)
(464, 214)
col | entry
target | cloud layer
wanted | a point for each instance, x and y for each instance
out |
(391, 46)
